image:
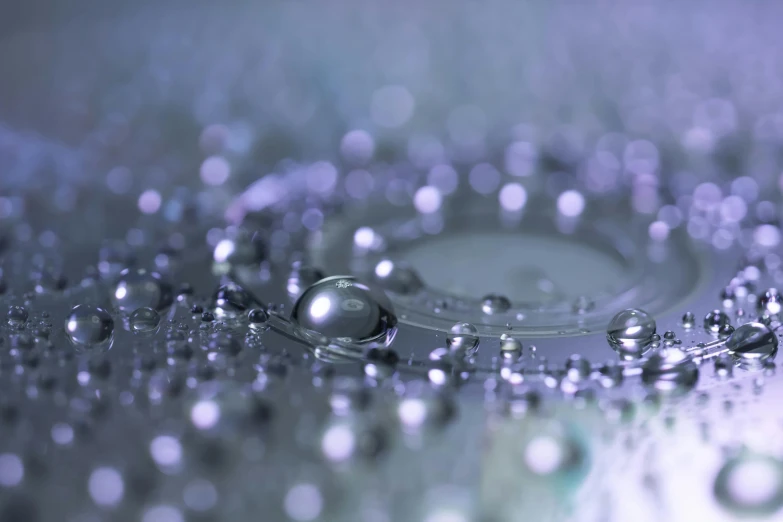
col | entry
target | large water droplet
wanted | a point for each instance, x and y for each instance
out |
(631, 332)
(144, 320)
(88, 325)
(750, 485)
(138, 288)
(344, 309)
(671, 370)
(495, 304)
(397, 277)
(752, 344)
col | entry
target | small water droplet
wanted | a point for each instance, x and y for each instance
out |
(770, 302)
(495, 304)
(510, 348)
(17, 316)
(463, 338)
(688, 320)
(138, 288)
(89, 325)
(144, 320)
(577, 368)
(630, 332)
(301, 278)
(257, 318)
(611, 375)
(582, 305)
(724, 366)
(231, 299)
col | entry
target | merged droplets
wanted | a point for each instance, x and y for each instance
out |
(88, 325)
(139, 288)
(716, 321)
(144, 320)
(343, 309)
(750, 485)
(398, 278)
(752, 344)
(631, 332)
(671, 371)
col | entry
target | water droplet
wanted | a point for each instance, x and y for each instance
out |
(611, 375)
(769, 368)
(582, 305)
(144, 320)
(671, 371)
(688, 320)
(138, 288)
(750, 485)
(510, 348)
(421, 407)
(231, 299)
(724, 366)
(346, 310)
(463, 338)
(630, 332)
(771, 302)
(88, 325)
(16, 316)
(301, 278)
(495, 304)
(577, 368)
(243, 248)
(399, 278)
(257, 318)
(715, 320)
(752, 344)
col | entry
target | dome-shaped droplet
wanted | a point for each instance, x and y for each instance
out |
(495, 304)
(752, 344)
(671, 370)
(631, 332)
(510, 348)
(144, 320)
(398, 278)
(343, 309)
(231, 299)
(750, 485)
(139, 288)
(16, 316)
(89, 325)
